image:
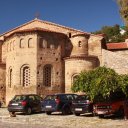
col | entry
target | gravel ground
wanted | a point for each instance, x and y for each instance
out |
(41, 120)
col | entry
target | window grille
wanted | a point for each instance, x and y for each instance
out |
(47, 75)
(26, 76)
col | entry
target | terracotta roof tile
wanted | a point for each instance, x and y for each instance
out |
(31, 30)
(121, 45)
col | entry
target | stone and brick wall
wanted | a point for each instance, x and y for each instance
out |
(2, 83)
(116, 60)
(85, 55)
(51, 50)
(21, 51)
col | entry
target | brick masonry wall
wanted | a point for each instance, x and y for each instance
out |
(52, 55)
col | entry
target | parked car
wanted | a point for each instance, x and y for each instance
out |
(58, 103)
(82, 105)
(113, 106)
(27, 104)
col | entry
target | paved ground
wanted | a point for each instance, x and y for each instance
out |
(41, 120)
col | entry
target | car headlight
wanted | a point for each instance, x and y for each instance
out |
(109, 107)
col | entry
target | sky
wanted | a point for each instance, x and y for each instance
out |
(85, 15)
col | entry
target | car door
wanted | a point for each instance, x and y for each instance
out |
(32, 102)
(38, 103)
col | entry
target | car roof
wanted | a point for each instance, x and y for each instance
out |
(26, 94)
(61, 94)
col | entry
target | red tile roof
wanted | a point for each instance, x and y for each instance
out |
(33, 29)
(121, 45)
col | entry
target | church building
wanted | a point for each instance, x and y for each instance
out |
(43, 58)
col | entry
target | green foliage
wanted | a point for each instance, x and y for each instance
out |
(100, 83)
(112, 33)
(123, 4)
(123, 83)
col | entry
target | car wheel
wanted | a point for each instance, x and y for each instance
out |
(65, 111)
(29, 111)
(120, 112)
(77, 114)
(48, 113)
(12, 114)
(101, 116)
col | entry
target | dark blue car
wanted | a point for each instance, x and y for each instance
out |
(82, 105)
(58, 103)
(27, 103)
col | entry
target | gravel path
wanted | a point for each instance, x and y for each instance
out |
(41, 120)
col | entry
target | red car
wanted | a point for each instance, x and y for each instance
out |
(109, 108)
(113, 106)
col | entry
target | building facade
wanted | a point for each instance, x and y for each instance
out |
(44, 58)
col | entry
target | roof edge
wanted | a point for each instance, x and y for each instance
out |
(46, 22)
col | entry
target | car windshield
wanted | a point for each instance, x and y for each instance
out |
(82, 97)
(50, 97)
(19, 98)
(115, 96)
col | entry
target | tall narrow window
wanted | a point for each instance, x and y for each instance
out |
(26, 76)
(10, 77)
(30, 43)
(43, 43)
(79, 44)
(22, 43)
(47, 73)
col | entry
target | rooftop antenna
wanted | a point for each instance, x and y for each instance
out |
(37, 15)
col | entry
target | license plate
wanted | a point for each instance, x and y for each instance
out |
(78, 109)
(14, 103)
(48, 106)
(101, 112)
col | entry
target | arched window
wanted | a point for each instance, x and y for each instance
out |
(79, 44)
(74, 77)
(43, 43)
(10, 78)
(25, 76)
(22, 43)
(30, 43)
(47, 75)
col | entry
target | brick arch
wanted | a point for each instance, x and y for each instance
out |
(25, 75)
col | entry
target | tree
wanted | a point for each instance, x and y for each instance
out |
(100, 83)
(123, 4)
(112, 33)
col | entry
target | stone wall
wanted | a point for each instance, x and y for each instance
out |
(21, 51)
(95, 46)
(73, 66)
(2, 83)
(115, 60)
